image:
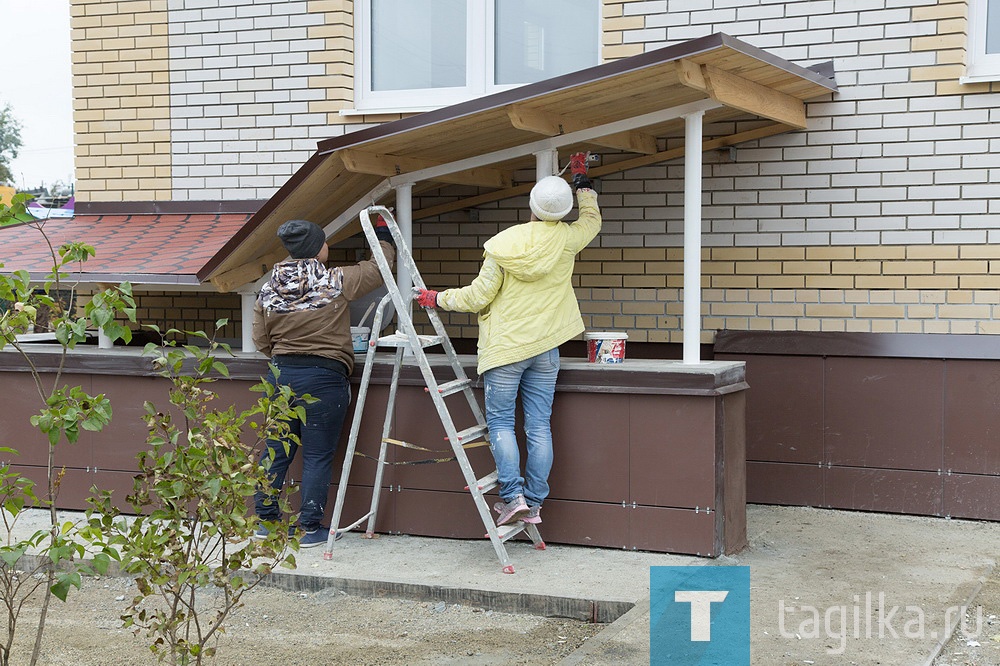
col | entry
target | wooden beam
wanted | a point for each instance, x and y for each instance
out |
(616, 167)
(548, 124)
(740, 93)
(358, 161)
(735, 91)
(248, 272)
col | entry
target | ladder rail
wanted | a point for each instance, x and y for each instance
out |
(415, 346)
(390, 413)
(352, 439)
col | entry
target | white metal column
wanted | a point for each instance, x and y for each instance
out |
(546, 163)
(692, 237)
(248, 295)
(404, 217)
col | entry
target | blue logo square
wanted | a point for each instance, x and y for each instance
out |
(699, 616)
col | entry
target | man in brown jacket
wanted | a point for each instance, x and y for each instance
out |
(302, 321)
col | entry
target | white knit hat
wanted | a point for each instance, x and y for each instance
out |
(551, 199)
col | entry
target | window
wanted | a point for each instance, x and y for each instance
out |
(984, 41)
(419, 54)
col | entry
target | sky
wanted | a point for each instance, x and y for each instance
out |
(37, 82)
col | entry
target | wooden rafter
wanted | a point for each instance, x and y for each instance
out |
(596, 172)
(248, 272)
(548, 124)
(358, 161)
(740, 93)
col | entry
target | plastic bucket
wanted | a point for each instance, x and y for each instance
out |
(605, 347)
(359, 338)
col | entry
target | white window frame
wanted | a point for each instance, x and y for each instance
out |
(981, 66)
(480, 55)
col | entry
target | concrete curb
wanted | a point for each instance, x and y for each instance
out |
(584, 610)
(601, 640)
(543, 605)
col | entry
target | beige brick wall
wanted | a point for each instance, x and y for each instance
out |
(190, 311)
(889, 289)
(949, 42)
(121, 87)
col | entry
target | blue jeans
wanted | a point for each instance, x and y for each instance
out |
(318, 438)
(536, 379)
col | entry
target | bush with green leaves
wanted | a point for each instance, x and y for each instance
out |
(64, 411)
(189, 543)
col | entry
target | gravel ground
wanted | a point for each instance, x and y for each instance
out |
(294, 628)
(976, 641)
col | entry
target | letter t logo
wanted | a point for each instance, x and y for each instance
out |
(701, 610)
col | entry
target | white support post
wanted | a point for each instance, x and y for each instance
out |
(404, 217)
(248, 295)
(546, 163)
(104, 341)
(692, 237)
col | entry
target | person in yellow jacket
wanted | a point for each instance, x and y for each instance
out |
(527, 308)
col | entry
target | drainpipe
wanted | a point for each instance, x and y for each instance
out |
(248, 295)
(692, 237)
(404, 217)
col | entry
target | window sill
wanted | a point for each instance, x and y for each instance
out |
(981, 78)
(385, 111)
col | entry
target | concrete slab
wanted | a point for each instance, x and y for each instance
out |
(811, 563)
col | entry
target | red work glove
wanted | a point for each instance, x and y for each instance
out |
(425, 298)
(578, 163)
(382, 231)
(578, 167)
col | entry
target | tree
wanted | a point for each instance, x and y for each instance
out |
(189, 543)
(65, 411)
(10, 142)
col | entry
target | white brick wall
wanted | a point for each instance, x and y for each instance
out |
(886, 160)
(883, 160)
(240, 120)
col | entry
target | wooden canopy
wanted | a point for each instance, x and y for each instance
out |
(631, 106)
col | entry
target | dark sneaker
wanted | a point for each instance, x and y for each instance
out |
(317, 538)
(534, 515)
(262, 532)
(510, 511)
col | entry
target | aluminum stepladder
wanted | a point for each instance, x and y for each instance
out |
(404, 340)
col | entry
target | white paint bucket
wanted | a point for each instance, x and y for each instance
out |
(359, 338)
(605, 346)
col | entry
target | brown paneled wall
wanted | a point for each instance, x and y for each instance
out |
(897, 423)
(645, 457)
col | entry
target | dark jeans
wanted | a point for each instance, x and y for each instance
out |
(318, 436)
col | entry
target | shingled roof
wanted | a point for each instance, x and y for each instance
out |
(167, 249)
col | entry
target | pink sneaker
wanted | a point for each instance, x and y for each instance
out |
(534, 515)
(511, 511)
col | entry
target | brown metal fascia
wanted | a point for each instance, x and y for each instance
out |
(262, 213)
(634, 63)
(815, 74)
(592, 74)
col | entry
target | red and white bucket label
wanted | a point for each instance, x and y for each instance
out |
(606, 350)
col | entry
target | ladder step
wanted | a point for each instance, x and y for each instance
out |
(472, 434)
(487, 483)
(510, 530)
(402, 340)
(452, 387)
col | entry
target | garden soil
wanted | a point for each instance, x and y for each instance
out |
(328, 627)
(800, 559)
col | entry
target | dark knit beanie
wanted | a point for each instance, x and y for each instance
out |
(302, 239)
